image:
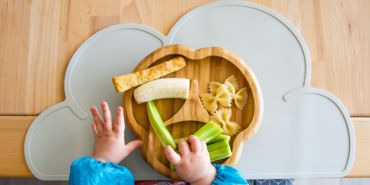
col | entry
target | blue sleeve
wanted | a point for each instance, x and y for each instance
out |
(89, 171)
(228, 175)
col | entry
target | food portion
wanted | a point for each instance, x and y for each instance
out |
(217, 144)
(158, 126)
(162, 88)
(214, 140)
(222, 118)
(219, 97)
(221, 94)
(208, 132)
(127, 81)
(231, 80)
(219, 150)
(219, 138)
(240, 98)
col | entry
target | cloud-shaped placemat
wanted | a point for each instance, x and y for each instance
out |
(305, 132)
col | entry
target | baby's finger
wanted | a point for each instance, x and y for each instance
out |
(132, 145)
(106, 115)
(119, 127)
(183, 148)
(195, 144)
(171, 155)
(97, 119)
(94, 129)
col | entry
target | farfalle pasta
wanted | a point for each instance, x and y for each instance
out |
(222, 118)
(218, 97)
(221, 95)
(240, 98)
(212, 86)
(231, 80)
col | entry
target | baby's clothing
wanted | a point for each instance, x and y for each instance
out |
(88, 171)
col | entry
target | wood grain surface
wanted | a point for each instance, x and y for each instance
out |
(38, 37)
(361, 165)
(202, 66)
(192, 109)
(13, 131)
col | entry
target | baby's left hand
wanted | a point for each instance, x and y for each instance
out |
(109, 142)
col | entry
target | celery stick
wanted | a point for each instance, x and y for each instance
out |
(219, 138)
(208, 132)
(214, 140)
(158, 126)
(172, 167)
(219, 150)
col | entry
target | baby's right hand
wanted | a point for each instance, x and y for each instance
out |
(194, 165)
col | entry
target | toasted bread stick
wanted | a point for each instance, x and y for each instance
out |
(124, 82)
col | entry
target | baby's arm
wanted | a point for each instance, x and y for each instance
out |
(194, 165)
(109, 149)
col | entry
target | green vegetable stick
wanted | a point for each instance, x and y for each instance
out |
(219, 150)
(219, 138)
(209, 131)
(172, 167)
(158, 126)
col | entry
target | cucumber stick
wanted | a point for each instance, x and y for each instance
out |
(209, 131)
(158, 126)
(219, 150)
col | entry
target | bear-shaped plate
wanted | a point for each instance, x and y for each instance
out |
(184, 117)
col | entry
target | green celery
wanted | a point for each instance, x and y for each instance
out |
(214, 140)
(172, 167)
(209, 131)
(158, 126)
(219, 150)
(219, 138)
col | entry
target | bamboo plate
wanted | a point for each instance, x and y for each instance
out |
(182, 117)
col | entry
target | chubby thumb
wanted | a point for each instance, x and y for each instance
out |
(132, 145)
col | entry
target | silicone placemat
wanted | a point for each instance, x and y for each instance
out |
(305, 132)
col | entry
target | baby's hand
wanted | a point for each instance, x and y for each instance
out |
(194, 165)
(109, 142)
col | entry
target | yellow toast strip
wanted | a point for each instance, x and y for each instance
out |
(127, 81)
